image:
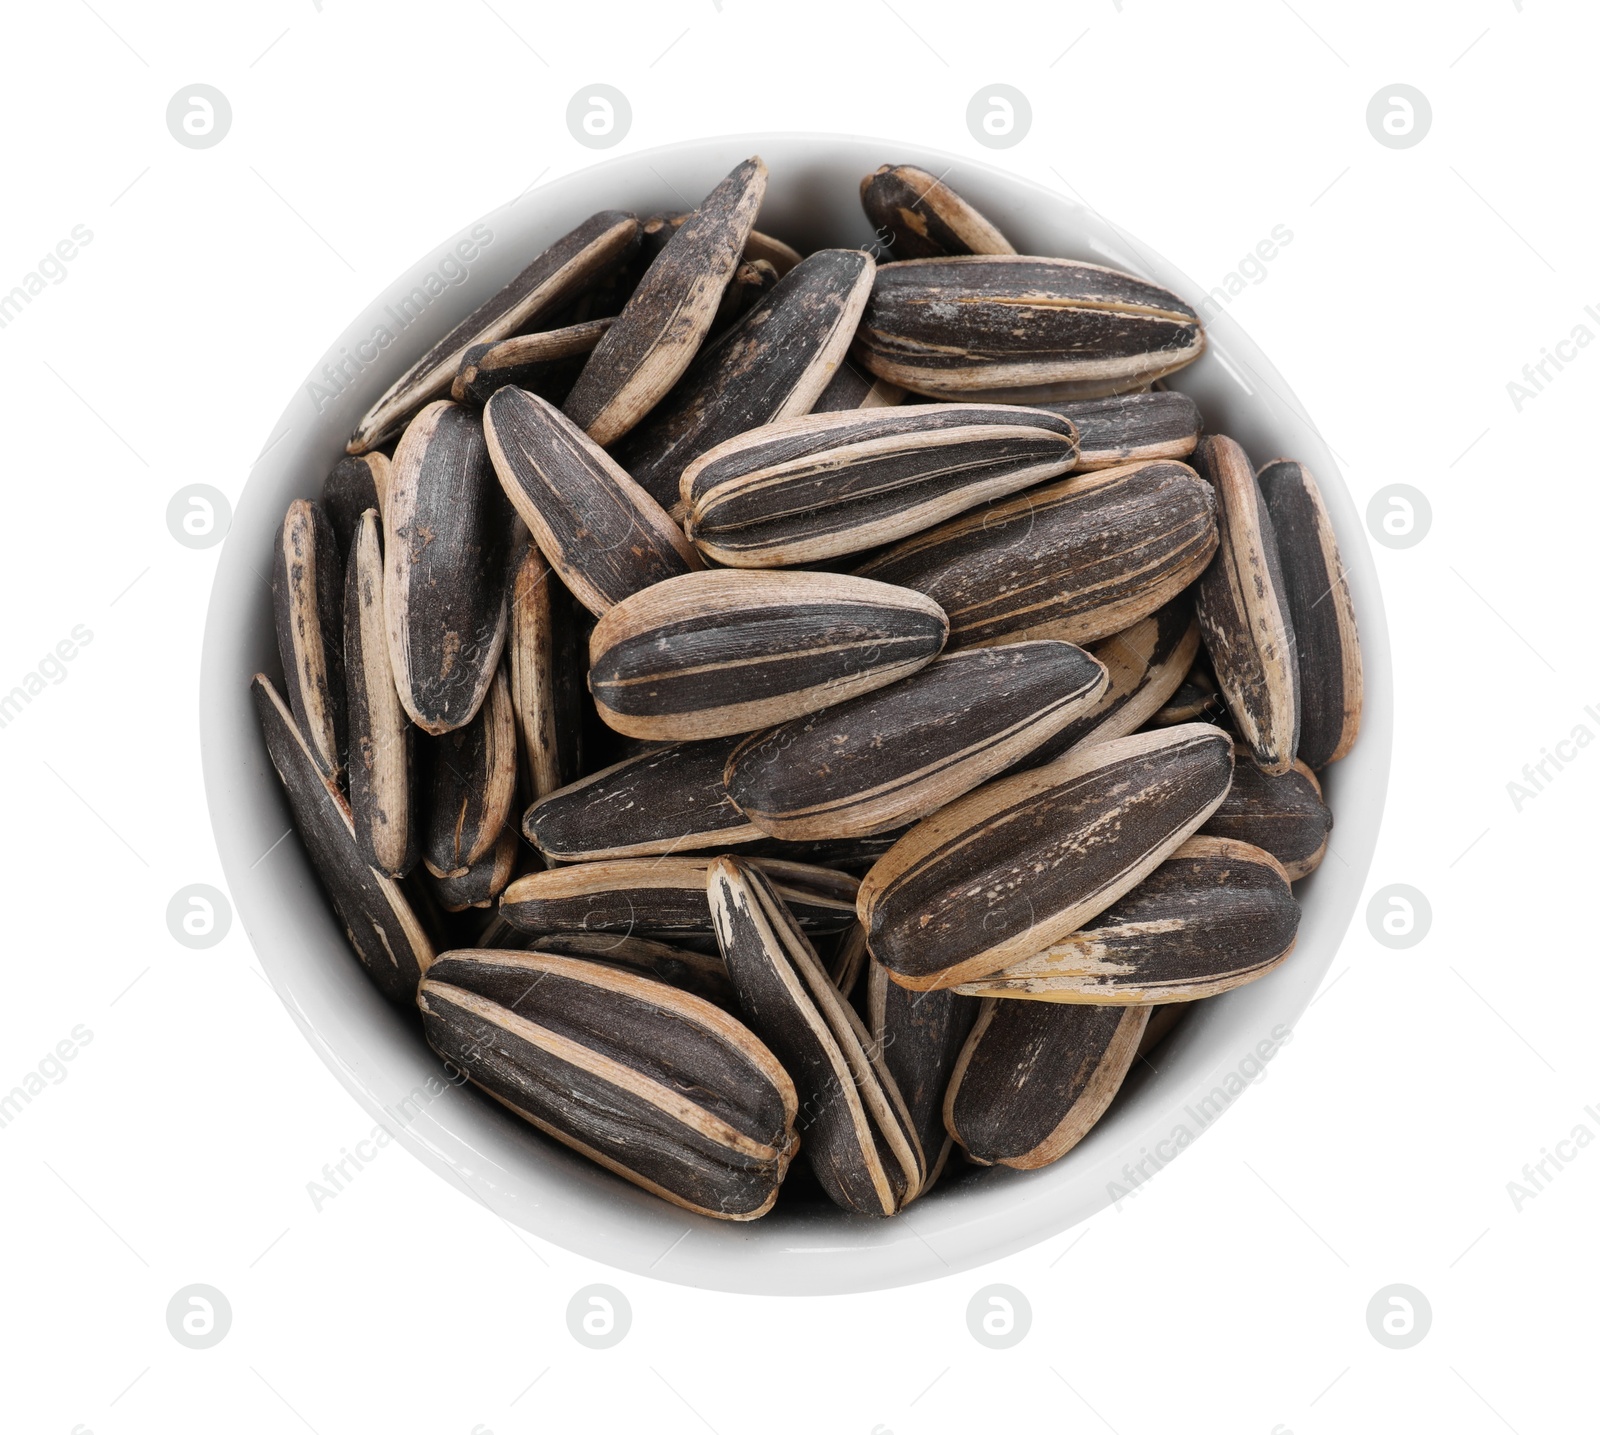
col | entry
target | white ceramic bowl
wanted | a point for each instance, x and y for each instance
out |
(481, 1150)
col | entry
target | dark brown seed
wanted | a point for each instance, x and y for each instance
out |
(1131, 428)
(816, 487)
(759, 248)
(381, 793)
(705, 976)
(723, 652)
(307, 598)
(670, 799)
(1321, 613)
(1076, 560)
(891, 756)
(1243, 609)
(446, 549)
(472, 781)
(920, 1035)
(664, 896)
(849, 962)
(854, 1126)
(751, 280)
(666, 1090)
(380, 924)
(1195, 699)
(483, 882)
(1215, 915)
(1012, 328)
(1020, 863)
(771, 365)
(546, 677)
(646, 351)
(853, 388)
(1034, 1077)
(596, 527)
(921, 217)
(354, 486)
(571, 265)
(1285, 815)
(546, 363)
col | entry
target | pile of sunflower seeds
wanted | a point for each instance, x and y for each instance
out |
(753, 704)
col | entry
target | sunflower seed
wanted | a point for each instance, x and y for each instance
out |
(1285, 815)
(1033, 1078)
(1215, 915)
(596, 527)
(920, 1035)
(856, 1132)
(1195, 699)
(664, 896)
(849, 960)
(545, 674)
(751, 280)
(771, 365)
(354, 486)
(758, 247)
(1131, 428)
(923, 218)
(705, 976)
(379, 922)
(717, 653)
(307, 598)
(670, 799)
(483, 882)
(646, 351)
(546, 363)
(1012, 328)
(1323, 618)
(446, 550)
(890, 756)
(850, 388)
(380, 732)
(823, 485)
(1160, 1026)
(1020, 863)
(472, 781)
(1076, 560)
(664, 1089)
(572, 264)
(1244, 611)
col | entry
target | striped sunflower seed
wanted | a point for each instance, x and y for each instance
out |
(1215, 915)
(1283, 814)
(446, 551)
(546, 699)
(1321, 613)
(354, 486)
(705, 976)
(546, 363)
(662, 325)
(1012, 328)
(723, 652)
(770, 365)
(472, 782)
(855, 1130)
(666, 1090)
(1023, 861)
(669, 799)
(1131, 428)
(481, 884)
(751, 280)
(851, 388)
(379, 922)
(1195, 699)
(381, 741)
(888, 757)
(923, 218)
(824, 485)
(307, 598)
(1242, 604)
(1076, 560)
(574, 263)
(596, 527)
(1034, 1078)
(664, 897)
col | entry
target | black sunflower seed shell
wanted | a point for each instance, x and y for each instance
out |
(1132, 428)
(546, 669)
(1026, 859)
(574, 263)
(855, 1130)
(481, 884)
(1283, 814)
(546, 363)
(816, 487)
(354, 486)
(604, 535)
(1034, 1077)
(1215, 915)
(307, 604)
(447, 533)
(660, 1087)
(664, 322)
(471, 775)
(382, 928)
(1195, 699)
(891, 756)
(706, 976)
(728, 651)
(752, 279)
(851, 387)
(846, 854)
(921, 217)
(1078, 560)
(848, 962)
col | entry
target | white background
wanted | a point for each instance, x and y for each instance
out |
(1230, 1295)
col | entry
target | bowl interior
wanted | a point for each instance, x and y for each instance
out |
(806, 1246)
